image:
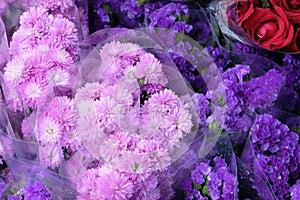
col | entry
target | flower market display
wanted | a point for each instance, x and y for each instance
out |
(149, 100)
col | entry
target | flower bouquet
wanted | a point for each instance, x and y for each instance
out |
(268, 24)
(212, 177)
(271, 155)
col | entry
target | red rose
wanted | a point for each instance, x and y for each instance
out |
(245, 9)
(290, 7)
(269, 28)
(295, 45)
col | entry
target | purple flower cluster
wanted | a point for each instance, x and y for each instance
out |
(2, 189)
(275, 148)
(291, 64)
(210, 180)
(295, 191)
(243, 48)
(36, 190)
(129, 120)
(244, 96)
(43, 51)
(219, 56)
(172, 16)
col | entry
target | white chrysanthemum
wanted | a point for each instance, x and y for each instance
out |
(107, 112)
(58, 77)
(85, 107)
(91, 91)
(34, 92)
(149, 68)
(49, 131)
(15, 72)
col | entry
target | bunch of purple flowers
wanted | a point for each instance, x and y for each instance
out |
(130, 121)
(43, 52)
(277, 151)
(210, 180)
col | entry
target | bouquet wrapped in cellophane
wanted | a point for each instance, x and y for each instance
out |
(109, 127)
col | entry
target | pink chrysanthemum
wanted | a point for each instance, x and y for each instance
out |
(62, 109)
(148, 189)
(58, 77)
(16, 72)
(160, 159)
(91, 91)
(108, 111)
(180, 121)
(116, 57)
(60, 58)
(32, 16)
(88, 183)
(49, 131)
(119, 93)
(86, 124)
(34, 92)
(151, 124)
(85, 107)
(61, 5)
(112, 185)
(114, 145)
(118, 50)
(23, 40)
(149, 68)
(133, 162)
(64, 33)
(164, 102)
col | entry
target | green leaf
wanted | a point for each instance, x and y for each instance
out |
(221, 101)
(141, 2)
(197, 187)
(265, 3)
(204, 190)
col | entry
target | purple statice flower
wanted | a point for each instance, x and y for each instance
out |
(235, 119)
(2, 189)
(263, 91)
(173, 16)
(295, 191)
(36, 190)
(185, 68)
(203, 108)
(14, 197)
(210, 180)
(101, 15)
(201, 31)
(244, 48)
(244, 96)
(131, 9)
(112, 13)
(219, 56)
(275, 146)
(290, 96)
